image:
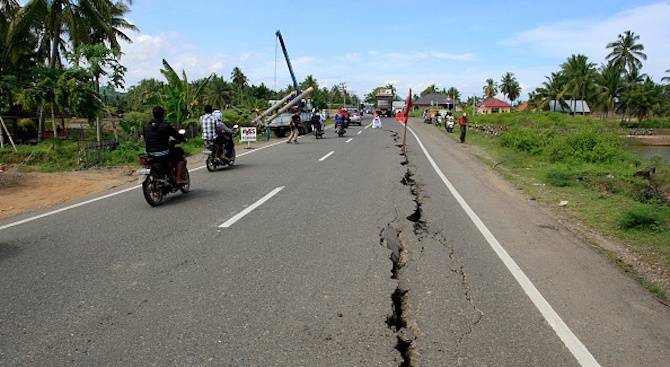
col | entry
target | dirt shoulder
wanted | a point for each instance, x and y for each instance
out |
(23, 192)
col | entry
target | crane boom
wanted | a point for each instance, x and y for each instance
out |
(288, 62)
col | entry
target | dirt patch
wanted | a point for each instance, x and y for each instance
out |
(22, 192)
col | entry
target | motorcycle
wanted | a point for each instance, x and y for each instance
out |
(449, 125)
(318, 132)
(213, 152)
(438, 120)
(339, 129)
(158, 176)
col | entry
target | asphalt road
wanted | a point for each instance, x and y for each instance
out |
(331, 252)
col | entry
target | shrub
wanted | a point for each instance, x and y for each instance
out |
(648, 217)
(560, 177)
(523, 140)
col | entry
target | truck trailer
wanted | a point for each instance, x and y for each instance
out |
(384, 102)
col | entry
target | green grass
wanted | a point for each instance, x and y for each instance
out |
(553, 164)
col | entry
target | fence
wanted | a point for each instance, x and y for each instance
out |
(93, 153)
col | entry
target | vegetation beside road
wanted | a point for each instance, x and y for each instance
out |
(584, 163)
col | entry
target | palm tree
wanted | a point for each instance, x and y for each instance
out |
(509, 86)
(309, 81)
(580, 78)
(240, 80)
(491, 88)
(79, 22)
(626, 52)
(609, 87)
(454, 94)
(666, 78)
(218, 93)
(429, 90)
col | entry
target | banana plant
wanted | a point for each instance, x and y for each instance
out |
(179, 97)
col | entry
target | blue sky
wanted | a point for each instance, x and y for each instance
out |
(370, 43)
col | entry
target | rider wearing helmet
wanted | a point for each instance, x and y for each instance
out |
(216, 132)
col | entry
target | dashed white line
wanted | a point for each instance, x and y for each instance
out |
(326, 156)
(250, 208)
(348, 140)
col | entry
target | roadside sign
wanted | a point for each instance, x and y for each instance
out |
(248, 134)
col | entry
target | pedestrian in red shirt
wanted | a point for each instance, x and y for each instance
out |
(463, 123)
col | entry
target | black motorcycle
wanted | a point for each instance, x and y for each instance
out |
(212, 154)
(158, 176)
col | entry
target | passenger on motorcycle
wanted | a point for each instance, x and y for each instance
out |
(157, 134)
(216, 132)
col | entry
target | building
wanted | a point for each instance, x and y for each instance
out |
(493, 105)
(434, 101)
(571, 106)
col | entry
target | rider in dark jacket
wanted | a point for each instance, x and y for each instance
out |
(157, 135)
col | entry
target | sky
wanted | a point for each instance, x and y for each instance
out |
(371, 43)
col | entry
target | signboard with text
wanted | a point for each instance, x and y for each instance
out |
(248, 134)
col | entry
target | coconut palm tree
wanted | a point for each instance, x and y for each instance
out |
(218, 93)
(626, 52)
(63, 25)
(580, 78)
(609, 87)
(509, 86)
(491, 88)
(240, 80)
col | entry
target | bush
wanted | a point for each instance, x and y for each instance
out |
(523, 140)
(560, 177)
(648, 217)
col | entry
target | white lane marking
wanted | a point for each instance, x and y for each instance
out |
(348, 140)
(576, 347)
(67, 208)
(114, 193)
(326, 156)
(359, 133)
(250, 208)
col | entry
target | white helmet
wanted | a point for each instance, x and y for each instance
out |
(464, 114)
(218, 115)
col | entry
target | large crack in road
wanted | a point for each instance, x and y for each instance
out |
(400, 321)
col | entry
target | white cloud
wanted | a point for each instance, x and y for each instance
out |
(590, 37)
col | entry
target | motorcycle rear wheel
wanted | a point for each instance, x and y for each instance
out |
(187, 182)
(210, 163)
(152, 190)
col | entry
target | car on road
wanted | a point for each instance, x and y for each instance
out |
(355, 118)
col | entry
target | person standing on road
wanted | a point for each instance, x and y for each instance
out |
(295, 122)
(463, 124)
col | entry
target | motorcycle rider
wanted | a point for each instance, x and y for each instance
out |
(317, 124)
(339, 120)
(216, 132)
(449, 123)
(157, 133)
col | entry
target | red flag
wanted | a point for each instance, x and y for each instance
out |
(409, 106)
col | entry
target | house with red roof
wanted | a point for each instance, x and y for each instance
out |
(493, 105)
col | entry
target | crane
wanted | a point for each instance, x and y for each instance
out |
(288, 62)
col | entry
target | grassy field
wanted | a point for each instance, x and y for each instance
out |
(585, 163)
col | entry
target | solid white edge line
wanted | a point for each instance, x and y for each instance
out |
(250, 208)
(576, 347)
(13, 224)
(326, 156)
